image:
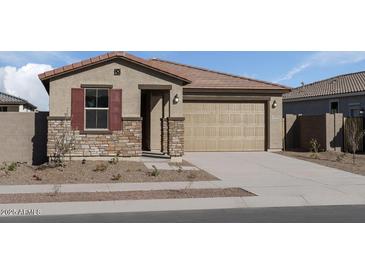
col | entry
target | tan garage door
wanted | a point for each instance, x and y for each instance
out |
(224, 126)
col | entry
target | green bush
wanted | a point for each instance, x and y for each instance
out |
(155, 171)
(12, 166)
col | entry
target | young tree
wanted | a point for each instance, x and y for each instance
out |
(64, 143)
(354, 135)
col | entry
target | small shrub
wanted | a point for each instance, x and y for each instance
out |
(315, 145)
(56, 190)
(115, 159)
(3, 170)
(155, 171)
(36, 177)
(116, 177)
(340, 157)
(100, 168)
(12, 166)
(83, 161)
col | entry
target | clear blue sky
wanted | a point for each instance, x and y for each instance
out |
(19, 70)
(289, 68)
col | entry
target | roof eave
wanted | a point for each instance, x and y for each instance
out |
(43, 76)
(281, 90)
(19, 104)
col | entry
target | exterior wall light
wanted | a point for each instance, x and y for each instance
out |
(274, 104)
(176, 99)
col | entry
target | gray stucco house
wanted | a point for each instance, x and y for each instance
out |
(340, 94)
(10, 103)
(118, 103)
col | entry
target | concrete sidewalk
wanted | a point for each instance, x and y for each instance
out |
(66, 208)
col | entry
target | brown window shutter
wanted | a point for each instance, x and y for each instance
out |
(77, 109)
(115, 109)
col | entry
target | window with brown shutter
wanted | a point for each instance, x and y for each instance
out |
(96, 108)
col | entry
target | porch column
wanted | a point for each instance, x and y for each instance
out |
(175, 136)
(164, 135)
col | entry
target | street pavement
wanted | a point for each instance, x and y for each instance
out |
(318, 214)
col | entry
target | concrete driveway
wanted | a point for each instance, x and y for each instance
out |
(282, 181)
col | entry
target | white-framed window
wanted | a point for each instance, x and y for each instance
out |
(334, 106)
(96, 108)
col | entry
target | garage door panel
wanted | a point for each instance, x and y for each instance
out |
(224, 126)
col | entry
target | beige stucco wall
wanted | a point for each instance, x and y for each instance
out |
(131, 76)
(275, 124)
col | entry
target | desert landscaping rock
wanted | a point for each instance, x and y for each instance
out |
(339, 160)
(123, 195)
(75, 172)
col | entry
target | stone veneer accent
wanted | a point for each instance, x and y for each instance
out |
(128, 141)
(175, 136)
(164, 135)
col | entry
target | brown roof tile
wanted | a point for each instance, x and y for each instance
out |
(205, 78)
(341, 84)
(7, 99)
(95, 60)
(194, 77)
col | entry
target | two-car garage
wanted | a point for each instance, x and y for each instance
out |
(224, 126)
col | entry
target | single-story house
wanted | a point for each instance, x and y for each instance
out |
(10, 103)
(120, 103)
(340, 94)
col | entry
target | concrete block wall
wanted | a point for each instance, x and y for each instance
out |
(291, 132)
(334, 131)
(23, 137)
(327, 129)
(312, 127)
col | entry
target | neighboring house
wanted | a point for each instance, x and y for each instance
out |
(10, 103)
(119, 103)
(341, 94)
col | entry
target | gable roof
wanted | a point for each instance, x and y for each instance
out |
(338, 85)
(192, 77)
(202, 78)
(7, 99)
(103, 58)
